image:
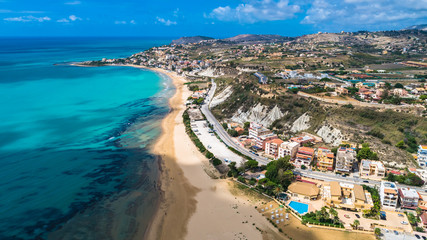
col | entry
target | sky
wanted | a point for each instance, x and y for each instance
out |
(214, 18)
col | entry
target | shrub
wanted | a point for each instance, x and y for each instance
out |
(216, 162)
(241, 179)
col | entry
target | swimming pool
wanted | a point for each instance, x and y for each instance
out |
(301, 208)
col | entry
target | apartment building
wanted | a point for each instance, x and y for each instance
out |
(261, 135)
(256, 130)
(304, 156)
(303, 139)
(325, 159)
(345, 160)
(422, 156)
(346, 196)
(389, 194)
(371, 168)
(408, 198)
(272, 147)
(288, 149)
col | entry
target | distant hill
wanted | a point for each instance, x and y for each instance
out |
(186, 40)
(417, 27)
(256, 38)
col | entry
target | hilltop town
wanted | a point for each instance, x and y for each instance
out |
(328, 120)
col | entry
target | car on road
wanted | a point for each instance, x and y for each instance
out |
(424, 237)
(357, 215)
(417, 236)
(396, 232)
(366, 181)
(209, 147)
(347, 216)
(404, 222)
(199, 134)
(400, 215)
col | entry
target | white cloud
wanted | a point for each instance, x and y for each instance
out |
(365, 12)
(25, 11)
(132, 22)
(120, 22)
(27, 19)
(74, 18)
(166, 22)
(73, 3)
(63, 20)
(256, 11)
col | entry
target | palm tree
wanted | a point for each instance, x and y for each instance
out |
(377, 232)
(334, 214)
(356, 223)
(277, 189)
(324, 213)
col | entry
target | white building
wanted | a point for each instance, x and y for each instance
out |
(422, 156)
(389, 194)
(288, 149)
(408, 198)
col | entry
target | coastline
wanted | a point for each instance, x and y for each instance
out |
(177, 202)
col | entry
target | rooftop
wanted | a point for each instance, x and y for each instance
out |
(409, 193)
(304, 188)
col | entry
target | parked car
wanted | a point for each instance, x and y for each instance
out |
(347, 216)
(400, 215)
(417, 236)
(366, 181)
(424, 237)
(396, 232)
(383, 215)
(357, 215)
(404, 222)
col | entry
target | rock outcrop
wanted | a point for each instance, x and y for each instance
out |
(221, 97)
(301, 124)
(330, 135)
(260, 114)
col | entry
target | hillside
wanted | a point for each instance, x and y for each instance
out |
(186, 40)
(383, 129)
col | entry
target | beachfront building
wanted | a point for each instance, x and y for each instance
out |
(371, 168)
(422, 156)
(408, 198)
(304, 157)
(389, 194)
(346, 196)
(303, 190)
(256, 130)
(345, 161)
(325, 159)
(301, 140)
(261, 135)
(288, 149)
(272, 147)
(262, 140)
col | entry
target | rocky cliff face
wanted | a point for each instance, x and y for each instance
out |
(222, 96)
(260, 114)
(301, 124)
(186, 40)
(330, 135)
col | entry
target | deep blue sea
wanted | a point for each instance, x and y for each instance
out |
(74, 142)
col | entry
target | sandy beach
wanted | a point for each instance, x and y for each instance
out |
(195, 206)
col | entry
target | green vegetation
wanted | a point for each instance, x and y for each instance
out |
(374, 212)
(366, 153)
(323, 218)
(408, 179)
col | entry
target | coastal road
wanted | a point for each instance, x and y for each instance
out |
(227, 139)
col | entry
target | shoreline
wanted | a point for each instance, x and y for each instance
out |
(177, 198)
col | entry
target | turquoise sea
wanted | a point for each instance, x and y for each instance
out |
(74, 142)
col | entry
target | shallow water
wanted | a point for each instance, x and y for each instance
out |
(74, 138)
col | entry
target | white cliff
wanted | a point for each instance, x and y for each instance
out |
(301, 124)
(259, 114)
(221, 97)
(330, 135)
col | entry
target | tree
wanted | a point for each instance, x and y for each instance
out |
(423, 97)
(277, 189)
(398, 85)
(303, 167)
(356, 224)
(334, 214)
(216, 162)
(225, 126)
(419, 211)
(377, 232)
(209, 155)
(251, 164)
(241, 179)
(401, 144)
